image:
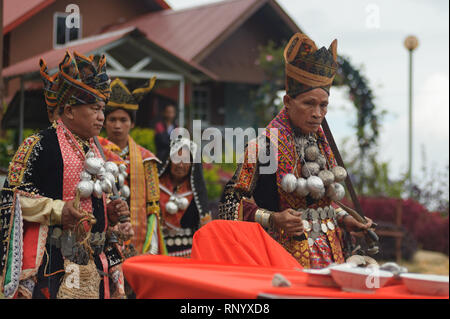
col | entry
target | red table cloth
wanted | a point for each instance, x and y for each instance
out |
(233, 260)
(164, 277)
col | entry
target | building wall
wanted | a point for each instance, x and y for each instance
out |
(36, 34)
(235, 59)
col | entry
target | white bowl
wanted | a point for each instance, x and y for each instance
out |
(320, 278)
(425, 284)
(357, 279)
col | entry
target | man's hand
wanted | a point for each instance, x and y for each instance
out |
(290, 221)
(126, 230)
(70, 216)
(116, 209)
(356, 228)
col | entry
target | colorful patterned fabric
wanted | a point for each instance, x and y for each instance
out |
(307, 67)
(19, 162)
(320, 253)
(288, 165)
(286, 158)
(73, 159)
(77, 82)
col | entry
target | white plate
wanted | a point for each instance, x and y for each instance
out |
(425, 284)
(357, 279)
(320, 278)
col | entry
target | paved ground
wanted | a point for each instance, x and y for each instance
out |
(428, 262)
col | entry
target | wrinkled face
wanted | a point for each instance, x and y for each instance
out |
(179, 167)
(169, 113)
(85, 120)
(118, 125)
(307, 110)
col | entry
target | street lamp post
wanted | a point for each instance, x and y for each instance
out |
(411, 43)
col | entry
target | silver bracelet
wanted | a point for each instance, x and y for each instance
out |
(262, 217)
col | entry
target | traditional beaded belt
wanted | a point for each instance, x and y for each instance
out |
(178, 237)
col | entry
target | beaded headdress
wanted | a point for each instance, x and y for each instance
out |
(307, 67)
(78, 81)
(121, 96)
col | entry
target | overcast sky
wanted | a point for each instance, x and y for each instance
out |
(371, 35)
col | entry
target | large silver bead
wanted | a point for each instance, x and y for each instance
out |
(109, 176)
(327, 177)
(125, 191)
(289, 183)
(93, 165)
(340, 174)
(302, 187)
(85, 176)
(309, 169)
(90, 154)
(122, 168)
(98, 192)
(335, 191)
(182, 203)
(321, 160)
(171, 207)
(340, 192)
(106, 186)
(112, 168)
(319, 194)
(101, 172)
(85, 188)
(331, 191)
(315, 185)
(311, 153)
(120, 180)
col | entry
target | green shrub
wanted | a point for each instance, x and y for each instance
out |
(144, 137)
(213, 186)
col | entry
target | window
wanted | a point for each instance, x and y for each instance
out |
(61, 33)
(201, 104)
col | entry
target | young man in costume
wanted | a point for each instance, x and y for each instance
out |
(141, 167)
(48, 232)
(295, 203)
(184, 202)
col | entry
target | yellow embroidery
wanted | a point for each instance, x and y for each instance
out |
(152, 180)
(19, 163)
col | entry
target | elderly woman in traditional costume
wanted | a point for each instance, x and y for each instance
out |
(54, 220)
(183, 199)
(296, 203)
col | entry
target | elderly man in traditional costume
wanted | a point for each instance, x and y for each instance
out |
(53, 214)
(296, 203)
(140, 185)
(183, 199)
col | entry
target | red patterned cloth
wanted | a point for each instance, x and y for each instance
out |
(320, 253)
(73, 159)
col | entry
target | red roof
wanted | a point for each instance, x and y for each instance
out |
(15, 14)
(53, 57)
(188, 32)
